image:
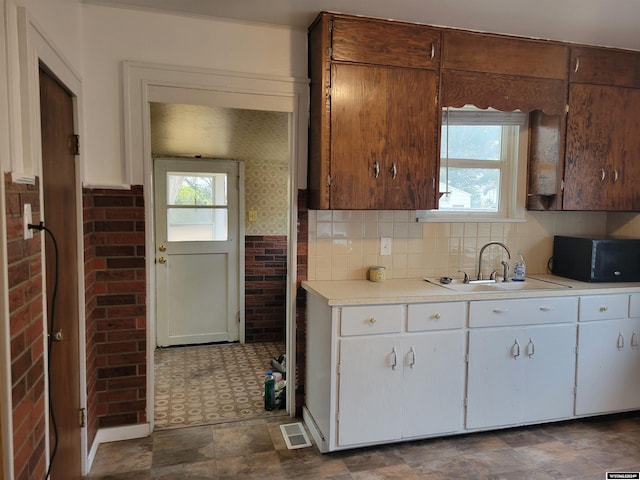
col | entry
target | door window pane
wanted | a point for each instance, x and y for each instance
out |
(197, 224)
(197, 207)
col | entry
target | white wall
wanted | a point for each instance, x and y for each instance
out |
(111, 35)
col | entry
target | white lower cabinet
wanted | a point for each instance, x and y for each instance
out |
(520, 374)
(608, 355)
(389, 372)
(400, 386)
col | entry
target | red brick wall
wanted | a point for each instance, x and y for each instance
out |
(116, 310)
(265, 288)
(27, 333)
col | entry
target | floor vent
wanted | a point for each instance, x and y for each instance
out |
(295, 435)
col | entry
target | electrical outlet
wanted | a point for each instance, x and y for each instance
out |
(27, 218)
(385, 246)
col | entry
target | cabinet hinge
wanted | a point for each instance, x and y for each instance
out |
(338, 369)
(575, 349)
(238, 316)
(74, 144)
(328, 180)
(562, 185)
(575, 391)
(83, 417)
(466, 401)
(337, 416)
(330, 52)
(466, 358)
(566, 108)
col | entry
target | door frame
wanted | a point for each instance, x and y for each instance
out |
(35, 48)
(146, 82)
(241, 232)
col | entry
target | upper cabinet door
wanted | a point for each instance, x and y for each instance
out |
(385, 43)
(484, 53)
(604, 66)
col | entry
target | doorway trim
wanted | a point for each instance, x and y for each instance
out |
(34, 48)
(144, 83)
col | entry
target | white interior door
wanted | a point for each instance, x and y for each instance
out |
(197, 250)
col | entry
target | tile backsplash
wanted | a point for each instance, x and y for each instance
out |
(343, 244)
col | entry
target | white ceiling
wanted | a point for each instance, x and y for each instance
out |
(612, 23)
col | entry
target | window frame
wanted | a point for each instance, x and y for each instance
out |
(513, 166)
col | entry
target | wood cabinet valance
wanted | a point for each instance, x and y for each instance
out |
(605, 66)
(502, 92)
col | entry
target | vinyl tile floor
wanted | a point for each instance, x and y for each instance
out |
(582, 449)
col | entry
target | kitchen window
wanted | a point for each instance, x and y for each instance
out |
(483, 159)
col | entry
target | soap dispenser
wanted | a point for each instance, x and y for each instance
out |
(519, 269)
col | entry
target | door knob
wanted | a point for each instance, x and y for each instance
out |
(57, 336)
(162, 248)
(162, 260)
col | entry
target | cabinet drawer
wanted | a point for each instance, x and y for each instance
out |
(523, 311)
(634, 305)
(371, 320)
(603, 307)
(436, 316)
(385, 43)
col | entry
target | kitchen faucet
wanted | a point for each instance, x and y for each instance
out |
(505, 265)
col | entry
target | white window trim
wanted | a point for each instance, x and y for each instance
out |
(512, 199)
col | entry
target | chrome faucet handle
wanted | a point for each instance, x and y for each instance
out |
(492, 275)
(465, 277)
(505, 271)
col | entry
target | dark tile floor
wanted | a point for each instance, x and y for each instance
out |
(582, 449)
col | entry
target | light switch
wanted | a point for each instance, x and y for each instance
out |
(385, 246)
(253, 215)
(27, 218)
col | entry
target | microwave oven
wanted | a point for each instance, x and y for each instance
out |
(596, 259)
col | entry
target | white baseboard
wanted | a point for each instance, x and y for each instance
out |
(115, 434)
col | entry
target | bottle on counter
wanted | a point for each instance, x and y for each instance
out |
(519, 269)
(269, 391)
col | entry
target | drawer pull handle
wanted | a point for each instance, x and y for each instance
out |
(500, 310)
(515, 349)
(372, 320)
(436, 316)
(531, 348)
(604, 309)
(575, 69)
(376, 169)
(545, 309)
(603, 175)
(634, 339)
(394, 171)
(620, 341)
(615, 176)
(394, 359)
(433, 50)
(412, 362)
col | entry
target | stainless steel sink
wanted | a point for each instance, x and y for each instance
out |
(458, 285)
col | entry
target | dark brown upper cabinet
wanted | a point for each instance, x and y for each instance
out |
(602, 171)
(373, 137)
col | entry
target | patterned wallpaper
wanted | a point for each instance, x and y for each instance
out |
(260, 139)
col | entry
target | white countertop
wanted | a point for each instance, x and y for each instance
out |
(417, 290)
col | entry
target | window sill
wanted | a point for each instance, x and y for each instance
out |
(428, 216)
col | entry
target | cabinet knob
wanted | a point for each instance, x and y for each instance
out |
(604, 309)
(436, 316)
(372, 320)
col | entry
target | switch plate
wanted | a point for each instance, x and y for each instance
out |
(385, 246)
(253, 215)
(27, 218)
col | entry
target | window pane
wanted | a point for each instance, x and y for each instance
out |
(196, 224)
(196, 189)
(472, 142)
(471, 189)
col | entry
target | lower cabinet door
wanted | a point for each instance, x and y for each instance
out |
(549, 359)
(495, 382)
(433, 383)
(608, 366)
(370, 390)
